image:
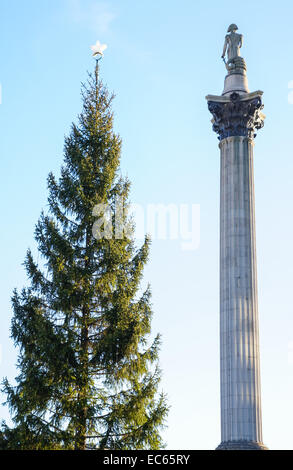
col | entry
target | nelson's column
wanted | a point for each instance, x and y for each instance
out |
(236, 117)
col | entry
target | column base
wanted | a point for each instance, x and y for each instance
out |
(241, 445)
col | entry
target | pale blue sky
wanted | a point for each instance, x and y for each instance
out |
(163, 58)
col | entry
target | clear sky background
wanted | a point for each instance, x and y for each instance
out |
(163, 58)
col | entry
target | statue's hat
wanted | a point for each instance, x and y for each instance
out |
(232, 27)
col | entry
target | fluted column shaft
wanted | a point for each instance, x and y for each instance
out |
(239, 343)
(236, 117)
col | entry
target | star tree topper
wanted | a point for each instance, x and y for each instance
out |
(98, 50)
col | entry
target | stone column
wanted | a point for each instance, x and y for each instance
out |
(235, 119)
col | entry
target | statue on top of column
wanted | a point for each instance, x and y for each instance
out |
(232, 45)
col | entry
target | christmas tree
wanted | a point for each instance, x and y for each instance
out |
(89, 373)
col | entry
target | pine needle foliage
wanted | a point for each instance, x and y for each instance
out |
(88, 372)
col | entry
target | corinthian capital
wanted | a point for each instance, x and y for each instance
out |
(236, 115)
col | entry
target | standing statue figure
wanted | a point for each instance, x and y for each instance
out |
(233, 43)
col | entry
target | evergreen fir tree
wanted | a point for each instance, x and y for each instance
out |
(88, 376)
